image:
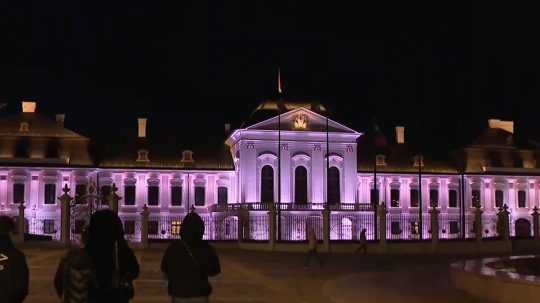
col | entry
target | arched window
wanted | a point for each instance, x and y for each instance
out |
(267, 184)
(333, 189)
(300, 185)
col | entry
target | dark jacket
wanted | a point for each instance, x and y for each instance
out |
(189, 262)
(74, 276)
(189, 278)
(15, 289)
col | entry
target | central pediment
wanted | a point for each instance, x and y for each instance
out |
(301, 119)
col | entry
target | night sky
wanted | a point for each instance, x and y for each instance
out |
(191, 66)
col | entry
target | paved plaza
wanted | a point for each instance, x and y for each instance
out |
(281, 277)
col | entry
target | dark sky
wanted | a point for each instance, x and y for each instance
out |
(191, 66)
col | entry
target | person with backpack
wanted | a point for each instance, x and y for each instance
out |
(13, 267)
(187, 263)
(114, 263)
(74, 276)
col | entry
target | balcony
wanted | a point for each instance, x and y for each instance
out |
(256, 206)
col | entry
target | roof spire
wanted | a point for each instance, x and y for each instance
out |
(279, 88)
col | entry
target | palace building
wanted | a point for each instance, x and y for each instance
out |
(287, 156)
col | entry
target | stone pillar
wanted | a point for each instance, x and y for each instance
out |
(326, 229)
(272, 226)
(502, 223)
(145, 214)
(536, 223)
(434, 218)
(114, 199)
(382, 211)
(478, 227)
(65, 214)
(20, 224)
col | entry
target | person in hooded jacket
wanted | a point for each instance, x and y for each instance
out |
(187, 263)
(13, 267)
(114, 262)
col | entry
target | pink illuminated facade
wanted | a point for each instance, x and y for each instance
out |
(299, 160)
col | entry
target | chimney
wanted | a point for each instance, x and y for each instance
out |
(400, 134)
(500, 124)
(60, 118)
(142, 127)
(28, 106)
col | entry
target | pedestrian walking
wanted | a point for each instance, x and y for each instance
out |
(362, 242)
(312, 249)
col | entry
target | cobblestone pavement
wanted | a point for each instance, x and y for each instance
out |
(281, 277)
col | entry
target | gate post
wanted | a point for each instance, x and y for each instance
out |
(503, 227)
(478, 227)
(144, 226)
(20, 224)
(382, 211)
(272, 226)
(114, 198)
(65, 214)
(326, 228)
(434, 218)
(536, 223)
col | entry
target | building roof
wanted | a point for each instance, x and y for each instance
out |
(273, 107)
(38, 126)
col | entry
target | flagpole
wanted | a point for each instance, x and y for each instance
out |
(279, 154)
(327, 157)
(420, 210)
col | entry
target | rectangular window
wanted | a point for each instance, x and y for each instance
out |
(475, 198)
(499, 198)
(414, 198)
(105, 193)
(153, 195)
(374, 196)
(199, 196)
(522, 198)
(454, 227)
(395, 228)
(50, 193)
(434, 197)
(394, 197)
(129, 227)
(18, 193)
(176, 195)
(222, 195)
(452, 198)
(153, 227)
(48, 227)
(175, 228)
(129, 195)
(80, 192)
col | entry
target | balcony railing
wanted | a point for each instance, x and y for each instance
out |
(290, 207)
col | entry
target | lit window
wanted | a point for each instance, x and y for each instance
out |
(380, 160)
(175, 228)
(142, 156)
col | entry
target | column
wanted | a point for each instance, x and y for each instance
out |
(286, 190)
(317, 174)
(536, 223)
(3, 189)
(350, 173)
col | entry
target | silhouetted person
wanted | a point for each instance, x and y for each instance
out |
(114, 266)
(13, 268)
(189, 262)
(75, 277)
(312, 249)
(363, 242)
